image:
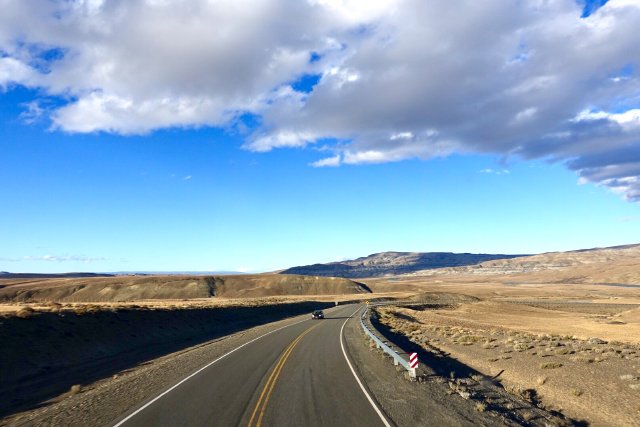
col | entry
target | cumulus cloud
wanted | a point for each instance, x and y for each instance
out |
(397, 79)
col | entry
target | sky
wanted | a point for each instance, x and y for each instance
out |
(174, 135)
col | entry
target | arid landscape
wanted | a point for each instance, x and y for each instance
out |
(136, 287)
(560, 330)
(267, 213)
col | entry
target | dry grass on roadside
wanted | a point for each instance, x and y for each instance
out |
(550, 365)
(522, 358)
(75, 389)
(25, 312)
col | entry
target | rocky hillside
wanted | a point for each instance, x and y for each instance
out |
(393, 263)
(618, 264)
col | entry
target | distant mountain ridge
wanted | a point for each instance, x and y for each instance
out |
(608, 264)
(394, 263)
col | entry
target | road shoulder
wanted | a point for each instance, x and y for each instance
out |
(408, 403)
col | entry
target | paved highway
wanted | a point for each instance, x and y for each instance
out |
(294, 376)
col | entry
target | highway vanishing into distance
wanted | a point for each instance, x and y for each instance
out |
(293, 376)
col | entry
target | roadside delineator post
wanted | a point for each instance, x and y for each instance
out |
(413, 363)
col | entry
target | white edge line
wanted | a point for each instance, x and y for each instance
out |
(143, 407)
(382, 417)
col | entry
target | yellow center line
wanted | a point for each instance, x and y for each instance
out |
(269, 381)
(269, 386)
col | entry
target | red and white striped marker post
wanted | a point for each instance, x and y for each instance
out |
(413, 362)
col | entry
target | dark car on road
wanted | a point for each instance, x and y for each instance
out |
(318, 314)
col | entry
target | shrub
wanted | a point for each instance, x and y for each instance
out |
(25, 313)
(522, 346)
(550, 365)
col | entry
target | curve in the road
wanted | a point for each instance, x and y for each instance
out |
(283, 380)
(143, 407)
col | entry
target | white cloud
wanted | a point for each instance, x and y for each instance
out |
(327, 162)
(495, 171)
(14, 71)
(283, 138)
(629, 119)
(32, 113)
(526, 114)
(399, 79)
(401, 135)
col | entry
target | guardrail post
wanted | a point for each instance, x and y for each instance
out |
(397, 359)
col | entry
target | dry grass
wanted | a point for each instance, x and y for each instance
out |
(11, 309)
(142, 288)
(550, 365)
(519, 356)
(25, 312)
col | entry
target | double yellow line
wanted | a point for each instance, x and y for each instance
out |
(271, 382)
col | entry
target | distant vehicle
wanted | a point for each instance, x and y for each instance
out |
(318, 314)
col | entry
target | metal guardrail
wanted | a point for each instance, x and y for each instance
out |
(397, 359)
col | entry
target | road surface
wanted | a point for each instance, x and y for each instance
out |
(294, 376)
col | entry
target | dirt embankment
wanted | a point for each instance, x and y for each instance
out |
(136, 288)
(45, 354)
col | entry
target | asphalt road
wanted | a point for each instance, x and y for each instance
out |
(295, 376)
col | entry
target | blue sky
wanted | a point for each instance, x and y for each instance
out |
(93, 179)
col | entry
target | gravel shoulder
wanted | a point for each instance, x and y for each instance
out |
(447, 392)
(408, 403)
